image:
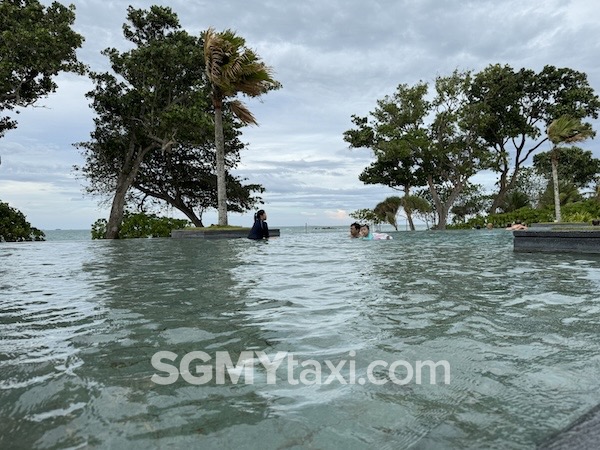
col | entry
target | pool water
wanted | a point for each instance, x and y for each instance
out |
(82, 320)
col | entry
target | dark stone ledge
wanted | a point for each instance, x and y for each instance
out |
(557, 240)
(216, 234)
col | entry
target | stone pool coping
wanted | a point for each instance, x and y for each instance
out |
(207, 233)
(583, 433)
(575, 238)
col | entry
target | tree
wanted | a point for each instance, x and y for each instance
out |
(565, 130)
(575, 165)
(396, 135)
(366, 215)
(455, 152)
(387, 210)
(37, 43)
(184, 178)
(442, 154)
(515, 107)
(231, 68)
(152, 102)
(470, 202)
(530, 184)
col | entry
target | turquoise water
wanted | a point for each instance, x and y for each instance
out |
(80, 321)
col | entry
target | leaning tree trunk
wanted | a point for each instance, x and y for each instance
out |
(554, 160)
(117, 209)
(175, 202)
(125, 181)
(220, 159)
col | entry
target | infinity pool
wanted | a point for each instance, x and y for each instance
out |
(81, 321)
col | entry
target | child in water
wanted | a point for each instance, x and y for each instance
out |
(365, 234)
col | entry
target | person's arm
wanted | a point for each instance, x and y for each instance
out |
(266, 230)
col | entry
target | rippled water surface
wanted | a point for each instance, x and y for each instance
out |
(80, 321)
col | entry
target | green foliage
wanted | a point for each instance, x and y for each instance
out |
(99, 229)
(515, 107)
(575, 165)
(365, 215)
(515, 199)
(140, 225)
(568, 194)
(153, 101)
(14, 226)
(578, 217)
(524, 215)
(387, 210)
(36, 43)
(471, 202)
(582, 211)
(396, 135)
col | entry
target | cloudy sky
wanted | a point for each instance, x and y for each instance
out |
(334, 58)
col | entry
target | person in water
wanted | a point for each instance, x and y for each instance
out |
(365, 233)
(516, 226)
(355, 230)
(260, 229)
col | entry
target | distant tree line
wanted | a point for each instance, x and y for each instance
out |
(430, 145)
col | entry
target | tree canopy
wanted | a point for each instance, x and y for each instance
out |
(516, 107)
(37, 44)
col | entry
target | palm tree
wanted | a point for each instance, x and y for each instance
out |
(232, 68)
(565, 130)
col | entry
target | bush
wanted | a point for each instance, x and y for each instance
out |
(524, 215)
(140, 225)
(15, 228)
(582, 211)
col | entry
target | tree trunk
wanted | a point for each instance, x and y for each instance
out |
(411, 224)
(220, 159)
(504, 188)
(408, 210)
(437, 203)
(117, 209)
(554, 159)
(190, 214)
(442, 208)
(505, 183)
(125, 181)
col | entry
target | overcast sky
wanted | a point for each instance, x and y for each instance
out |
(334, 58)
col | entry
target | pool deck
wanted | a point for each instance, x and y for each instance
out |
(217, 234)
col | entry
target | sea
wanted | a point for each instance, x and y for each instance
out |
(433, 339)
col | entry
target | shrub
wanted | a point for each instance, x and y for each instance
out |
(15, 228)
(524, 215)
(583, 211)
(140, 225)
